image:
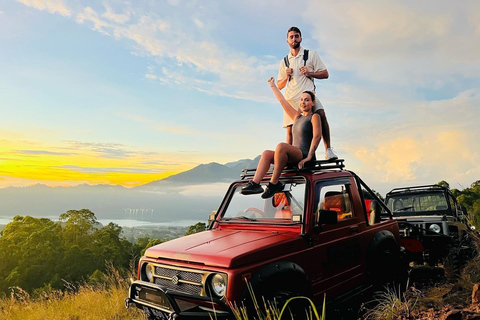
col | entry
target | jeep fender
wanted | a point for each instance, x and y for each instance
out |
(277, 273)
(383, 257)
(379, 238)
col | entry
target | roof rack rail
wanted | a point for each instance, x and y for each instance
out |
(427, 187)
(313, 166)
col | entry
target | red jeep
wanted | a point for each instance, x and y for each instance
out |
(325, 233)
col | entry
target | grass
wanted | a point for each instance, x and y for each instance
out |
(392, 304)
(105, 301)
(457, 292)
(272, 311)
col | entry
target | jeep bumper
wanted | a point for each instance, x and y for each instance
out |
(165, 304)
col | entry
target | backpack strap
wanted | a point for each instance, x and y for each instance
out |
(287, 64)
(305, 56)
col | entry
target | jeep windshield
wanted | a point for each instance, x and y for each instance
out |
(284, 207)
(413, 204)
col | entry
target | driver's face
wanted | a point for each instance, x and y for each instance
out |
(294, 39)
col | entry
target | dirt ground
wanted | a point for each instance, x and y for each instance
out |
(433, 295)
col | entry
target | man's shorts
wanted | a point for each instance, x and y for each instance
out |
(287, 121)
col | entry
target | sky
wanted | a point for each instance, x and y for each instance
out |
(128, 92)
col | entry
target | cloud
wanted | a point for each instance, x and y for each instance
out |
(108, 150)
(44, 152)
(174, 129)
(393, 43)
(187, 52)
(205, 190)
(444, 155)
(89, 14)
(116, 17)
(402, 43)
(424, 142)
(52, 6)
(111, 169)
(160, 127)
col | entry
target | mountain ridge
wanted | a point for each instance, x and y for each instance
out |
(170, 199)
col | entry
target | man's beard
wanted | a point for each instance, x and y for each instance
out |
(295, 45)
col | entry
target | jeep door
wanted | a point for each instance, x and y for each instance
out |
(337, 253)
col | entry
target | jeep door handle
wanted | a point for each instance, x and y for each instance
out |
(354, 229)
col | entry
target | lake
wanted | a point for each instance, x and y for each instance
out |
(129, 223)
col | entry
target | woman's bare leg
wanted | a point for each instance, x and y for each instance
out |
(263, 165)
(284, 153)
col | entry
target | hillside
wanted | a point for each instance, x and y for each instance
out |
(205, 173)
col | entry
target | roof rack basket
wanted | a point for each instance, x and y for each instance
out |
(313, 166)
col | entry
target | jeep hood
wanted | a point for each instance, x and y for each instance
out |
(226, 247)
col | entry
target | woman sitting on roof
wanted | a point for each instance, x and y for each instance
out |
(307, 133)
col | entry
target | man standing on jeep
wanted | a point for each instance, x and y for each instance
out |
(297, 72)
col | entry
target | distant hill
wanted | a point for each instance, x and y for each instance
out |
(205, 173)
(170, 199)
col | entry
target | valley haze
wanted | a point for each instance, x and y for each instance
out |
(188, 196)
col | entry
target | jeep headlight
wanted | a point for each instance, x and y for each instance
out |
(218, 283)
(407, 231)
(149, 271)
(435, 228)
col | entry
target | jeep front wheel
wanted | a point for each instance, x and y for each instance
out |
(278, 293)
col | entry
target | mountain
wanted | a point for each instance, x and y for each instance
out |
(192, 194)
(205, 173)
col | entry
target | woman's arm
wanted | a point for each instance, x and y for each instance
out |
(292, 113)
(317, 136)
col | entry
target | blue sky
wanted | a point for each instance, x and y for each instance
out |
(126, 92)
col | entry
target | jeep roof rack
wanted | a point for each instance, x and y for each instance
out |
(315, 166)
(428, 187)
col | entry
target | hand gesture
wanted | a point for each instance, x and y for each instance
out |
(304, 70)
(289, 72)
(271, 81)
(302, 162)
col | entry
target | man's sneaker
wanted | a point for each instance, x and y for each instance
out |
(272, 189)
(330, 154)
(252, 188)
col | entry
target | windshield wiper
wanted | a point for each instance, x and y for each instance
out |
(404, 209)
(240, 218)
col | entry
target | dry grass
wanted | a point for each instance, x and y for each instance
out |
(392, 304)
(87, 303)
(435, 296)
(272, 311)
(104, 301)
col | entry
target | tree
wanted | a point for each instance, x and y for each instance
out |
(470, 198)
(109, 245)
(198, 227)
(79, 225)
(444, 183)
(30, 253)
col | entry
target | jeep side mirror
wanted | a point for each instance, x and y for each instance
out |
(327, 217)
(211, 217)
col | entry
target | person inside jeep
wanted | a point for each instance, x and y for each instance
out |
(307, 133)
(397, 205)
(281, 201)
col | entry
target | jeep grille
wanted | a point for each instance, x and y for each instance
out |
(179, 280)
